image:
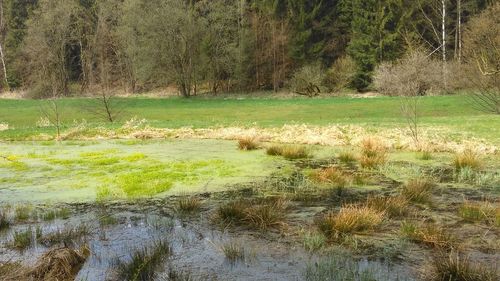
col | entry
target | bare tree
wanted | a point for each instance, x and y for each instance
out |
(2, 35)
(105, 62)
(51, 110)
(482, 53)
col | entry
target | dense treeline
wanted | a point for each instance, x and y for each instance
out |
(61, 47)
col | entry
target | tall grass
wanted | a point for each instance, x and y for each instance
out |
(143, 263)
(248, 143)
(467, 159)
(350, 219)
(373, 153)
(418, 190)
(458, 267)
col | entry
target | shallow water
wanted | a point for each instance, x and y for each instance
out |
(74, 172)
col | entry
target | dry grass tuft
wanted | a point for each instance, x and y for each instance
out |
(265, 216)
(248, 143)
(232, 212)
(260, 215)
(457, 267)
(233, 251)
(430, 235)
(477, 211)
(188, 205)
(350, 219)
(4, 221)
(347, 157)
(467, 159)
(393, 206)
(288, 151)
(373, 153)
(60, 264)
(331, 176)
(418, 190)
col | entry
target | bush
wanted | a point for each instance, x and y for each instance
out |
(309, 80)
(342, 73)
(415, 74)
(350, 219)
(481, 53)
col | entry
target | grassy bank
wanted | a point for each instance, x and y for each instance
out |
(453, 112)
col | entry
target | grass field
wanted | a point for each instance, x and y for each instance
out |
(452, 112)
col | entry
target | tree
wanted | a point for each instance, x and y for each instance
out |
(163, 39)
(104, 63)
(220, 43)
(482, 53)
(362, 47)
(51, 32)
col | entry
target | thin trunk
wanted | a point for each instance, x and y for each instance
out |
(2, 57)
(443, 27)
(459, 31)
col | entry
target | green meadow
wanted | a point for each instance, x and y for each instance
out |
(454, 112)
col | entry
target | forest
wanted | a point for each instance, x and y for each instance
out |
(76, 47)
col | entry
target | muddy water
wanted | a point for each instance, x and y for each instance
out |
(195, 243)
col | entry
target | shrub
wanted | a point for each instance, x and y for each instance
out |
(373, 153)
(467, 159)
(143, 263)
(248, 143)
(350, 219)
(430, 235)
(413, 75)
(455, 266)
(308, 80)
(393, 206)
(342, 73)
(418, 190)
